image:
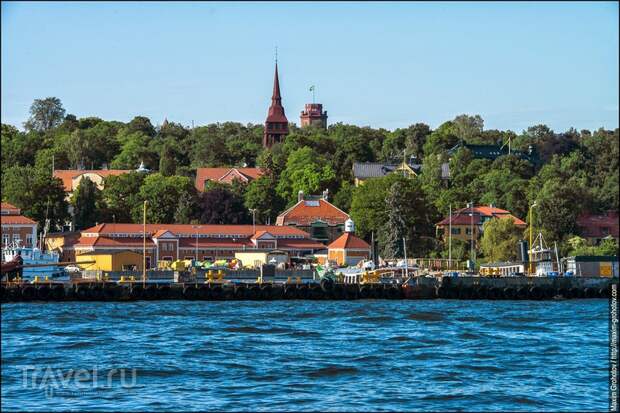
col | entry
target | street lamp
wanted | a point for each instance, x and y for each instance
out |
(531, 227)
(196, 227)
(253, 211)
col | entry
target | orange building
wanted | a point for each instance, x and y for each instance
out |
(169, 242)
(16, 227)
(348, 250)
(316, 216)
(468, 221)
(225, 175)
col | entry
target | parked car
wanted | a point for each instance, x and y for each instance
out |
(72, 268)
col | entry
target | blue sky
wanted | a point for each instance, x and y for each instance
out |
(377, 64)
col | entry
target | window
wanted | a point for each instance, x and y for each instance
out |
(5, 239)
(468, 231)
(29, 240)
(605, 230)
(187, 257)
(148, 262)
(456, 231)
(16, 238)
(167, 258)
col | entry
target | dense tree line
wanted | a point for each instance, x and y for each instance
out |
(576, 172)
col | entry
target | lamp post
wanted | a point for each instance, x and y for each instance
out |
(196, 227)
(531, 232)
(144, 246)
(253, 211)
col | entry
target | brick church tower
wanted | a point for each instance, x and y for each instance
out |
(276, 125)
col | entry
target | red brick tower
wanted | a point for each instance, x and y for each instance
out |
(276, 125)
(313, 115)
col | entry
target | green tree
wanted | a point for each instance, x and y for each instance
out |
(368, 205)
(392, 233)
(162, 194)
(261, 195)
(45, 114)
(141, 124)
(135, 149)
(86, 201)
(38, 195)
(468, 127)
(499, 239)
(219, 205)
(121, 194)
(167, 161)
(306, 171)
(344, 196)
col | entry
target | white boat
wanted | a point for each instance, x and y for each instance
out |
(33, 256)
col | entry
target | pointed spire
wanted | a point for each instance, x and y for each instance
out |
(276, 98)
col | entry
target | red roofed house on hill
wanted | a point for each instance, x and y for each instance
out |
(276, 124)
(16, 227)
(595, 228)
(463, 220)
(168, 242)
(348, 249)
(315, 215)
(226, 175)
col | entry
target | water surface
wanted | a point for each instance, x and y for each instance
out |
(362, 355)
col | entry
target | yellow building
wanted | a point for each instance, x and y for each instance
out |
(110, 261)
(253, 259)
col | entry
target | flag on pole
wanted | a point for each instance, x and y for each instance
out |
(312, 88)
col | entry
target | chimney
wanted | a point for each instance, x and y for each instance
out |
(300, 196)
(326, 195)
(491, 206)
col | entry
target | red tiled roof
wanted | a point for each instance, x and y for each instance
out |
(9, 209)
(16, 220)
(67, 175)
(349, 241)
(133, 242)
(308, 211)
(245, 231)
(463, 216)
(215, 174)
(599, 226)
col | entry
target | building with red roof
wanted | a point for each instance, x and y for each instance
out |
(467, 222)
(168, 242)
(71, 177)
(225, 175)
(596, 228)
(16, 227)
(316, 216)
(348, 249)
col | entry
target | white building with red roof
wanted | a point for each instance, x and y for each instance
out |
(316, 216)
(16, 227)
(168, 242)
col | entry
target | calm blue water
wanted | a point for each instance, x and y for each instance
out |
(307, 355)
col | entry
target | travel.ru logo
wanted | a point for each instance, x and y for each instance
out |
(73, 382)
